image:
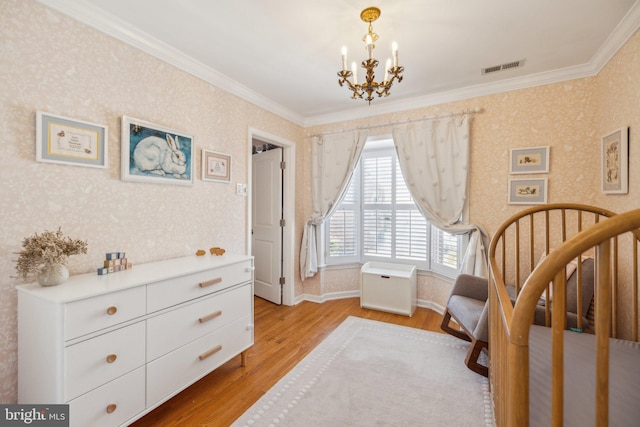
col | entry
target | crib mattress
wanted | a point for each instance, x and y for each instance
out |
(579, 380)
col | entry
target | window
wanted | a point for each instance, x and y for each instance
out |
(378, 220)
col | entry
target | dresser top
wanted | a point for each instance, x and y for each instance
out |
(90, 284)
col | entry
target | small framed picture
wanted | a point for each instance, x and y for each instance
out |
(216, 166)
(529, 160)
(72, 142)
(155, 154)
(615, 162)
(528, 191)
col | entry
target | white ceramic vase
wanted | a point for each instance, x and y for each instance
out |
(52, 274)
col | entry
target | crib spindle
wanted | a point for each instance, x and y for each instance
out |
(634, 287)
(558, 325)
(517, 257)
(603, 328)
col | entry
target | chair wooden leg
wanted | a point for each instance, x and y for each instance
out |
(472, 358)
(444, 325)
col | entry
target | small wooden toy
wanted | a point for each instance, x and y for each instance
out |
(217, 251)
(116, 261)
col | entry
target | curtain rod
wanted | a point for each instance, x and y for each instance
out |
(444, 116)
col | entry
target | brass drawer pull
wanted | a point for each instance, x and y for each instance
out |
(111, 358)
(210, 282)
(111, 408)
(210, 353)
(112, 310)
(210, 316)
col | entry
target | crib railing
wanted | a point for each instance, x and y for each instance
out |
(574, 230)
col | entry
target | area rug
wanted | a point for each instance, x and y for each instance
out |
(370, 373)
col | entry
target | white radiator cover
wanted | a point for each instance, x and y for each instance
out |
(389, 287)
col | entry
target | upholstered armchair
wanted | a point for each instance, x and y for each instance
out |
(468, 305)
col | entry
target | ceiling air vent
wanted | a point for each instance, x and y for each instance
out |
(507, 66)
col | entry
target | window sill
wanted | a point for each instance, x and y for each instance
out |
(357, 265)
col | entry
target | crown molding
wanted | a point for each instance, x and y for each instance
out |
(625, 29)
(90, 15)
(113, 26)
(508, 85)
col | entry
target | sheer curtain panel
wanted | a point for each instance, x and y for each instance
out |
(333, 160)
(434, 158)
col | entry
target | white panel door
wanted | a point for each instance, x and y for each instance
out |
(267, 233)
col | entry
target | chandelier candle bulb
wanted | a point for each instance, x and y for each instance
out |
(369, 43)
(354, 70)
(394, 48)
(386, 70)
(344, 58)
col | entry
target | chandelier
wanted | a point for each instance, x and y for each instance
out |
(370, 87)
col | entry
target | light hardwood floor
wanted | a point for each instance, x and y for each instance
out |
(283, 336)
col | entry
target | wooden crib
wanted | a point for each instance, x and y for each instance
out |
(559, 368)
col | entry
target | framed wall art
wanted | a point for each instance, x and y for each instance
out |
(68, 141)
(528, 191)
(529, 160)
(156, 154)
(216, 166)
(614, 153)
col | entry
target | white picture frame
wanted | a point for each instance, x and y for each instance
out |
(528, 191)
(156, 154)
(529, 160)
(614, 154)
(67, 141)
(216, 166)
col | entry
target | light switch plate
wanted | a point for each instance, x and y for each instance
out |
(241, 189)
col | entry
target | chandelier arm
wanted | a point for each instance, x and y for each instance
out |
(356, 88)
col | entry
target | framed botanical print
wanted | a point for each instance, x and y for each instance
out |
(528, 191)
(529, 160)
(614, 153)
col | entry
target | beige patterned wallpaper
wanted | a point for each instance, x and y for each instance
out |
(55, 64)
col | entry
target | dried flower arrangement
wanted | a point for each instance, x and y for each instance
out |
(46, 248)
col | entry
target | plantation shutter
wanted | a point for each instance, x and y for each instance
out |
(377, 211)
(411, 226)
(393, 227)
(344, 223)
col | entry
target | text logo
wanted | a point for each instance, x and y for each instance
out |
(34, 415)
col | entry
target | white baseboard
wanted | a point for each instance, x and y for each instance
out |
(327, 297)
(431, 306)
(354, 294)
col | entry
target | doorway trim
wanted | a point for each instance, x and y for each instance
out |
(288, 198)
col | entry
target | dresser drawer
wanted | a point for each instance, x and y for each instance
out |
(174, 291)
(92, 314)
(174, 371)
(173, 329)
(112, 404)
(93, 362)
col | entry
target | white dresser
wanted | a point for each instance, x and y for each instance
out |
(116, 346)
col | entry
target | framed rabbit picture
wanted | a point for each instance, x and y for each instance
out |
(156, 154)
